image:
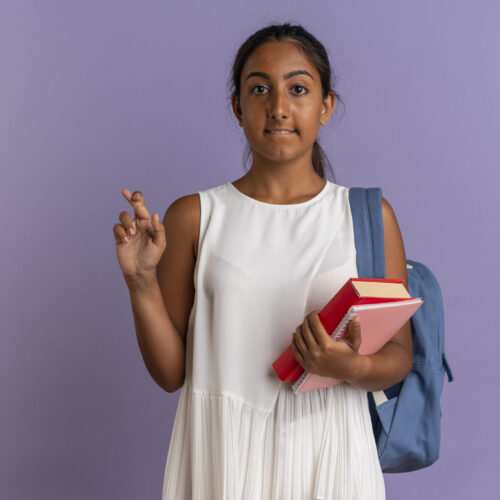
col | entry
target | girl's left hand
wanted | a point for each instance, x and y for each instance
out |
(318, 353)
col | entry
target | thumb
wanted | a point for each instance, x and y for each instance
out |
(158, 229)
(355, 332)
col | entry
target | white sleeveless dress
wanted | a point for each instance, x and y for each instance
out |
(239, 432)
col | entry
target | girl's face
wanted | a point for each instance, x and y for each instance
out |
(281, 89)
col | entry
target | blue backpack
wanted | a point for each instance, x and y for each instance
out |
(406, 418)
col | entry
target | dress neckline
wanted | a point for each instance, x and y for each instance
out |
(315, 198)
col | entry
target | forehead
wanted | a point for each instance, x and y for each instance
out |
(278, 58)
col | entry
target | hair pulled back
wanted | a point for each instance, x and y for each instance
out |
(313, 49)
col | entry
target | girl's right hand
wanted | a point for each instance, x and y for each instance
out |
(138, 253)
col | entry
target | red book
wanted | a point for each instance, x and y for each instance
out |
(355, 291)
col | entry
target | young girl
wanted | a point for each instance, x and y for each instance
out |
(235, 274)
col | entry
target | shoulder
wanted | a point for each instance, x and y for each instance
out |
(389, 217)
(182, 218)
(393, 241)
(387, 210)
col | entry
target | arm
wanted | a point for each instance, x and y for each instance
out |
(162, 302)
(160, 343)
(392, 363)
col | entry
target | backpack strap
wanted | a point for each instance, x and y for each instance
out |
(366, 210)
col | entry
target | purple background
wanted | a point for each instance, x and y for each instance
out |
(98, 96)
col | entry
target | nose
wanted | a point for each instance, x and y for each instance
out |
(279, 106)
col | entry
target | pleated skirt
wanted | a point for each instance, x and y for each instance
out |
(316, 445)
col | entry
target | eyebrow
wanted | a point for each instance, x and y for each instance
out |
(286, 76)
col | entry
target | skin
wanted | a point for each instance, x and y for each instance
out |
(282, 173)
(282, 169)
(318, 353)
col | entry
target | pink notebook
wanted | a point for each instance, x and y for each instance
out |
(379, 323)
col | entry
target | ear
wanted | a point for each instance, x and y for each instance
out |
(327, 107)
(235, 103)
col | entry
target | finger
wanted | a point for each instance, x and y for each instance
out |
(298, 338)
(308, 334)
(158, 229)
(120, 234)
(137, 201)
(127, 223)
(317, 328)
(296, 352)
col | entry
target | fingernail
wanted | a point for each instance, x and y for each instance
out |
(131, 230)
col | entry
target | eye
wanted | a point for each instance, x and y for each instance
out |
(301, 87)
(305, 91)
(258, 86)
